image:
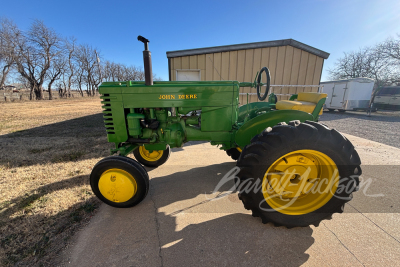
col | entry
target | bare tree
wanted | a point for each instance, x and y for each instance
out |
(55, 72)
(87, 59)
(120, 72)
(41, 57)
(36, 51)
(69, 75)
(24, 82)
(7, 48)
(391, 49)
(367, 62)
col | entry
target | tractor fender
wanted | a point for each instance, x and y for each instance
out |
(256, 125)
(249, 108)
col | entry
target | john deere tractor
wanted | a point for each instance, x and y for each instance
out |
(292, 170)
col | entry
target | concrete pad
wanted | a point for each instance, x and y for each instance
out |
(366, 241)
(181, 223)
(118, 237)
(374, 153)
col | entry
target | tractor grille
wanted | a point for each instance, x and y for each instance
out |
(107, 111)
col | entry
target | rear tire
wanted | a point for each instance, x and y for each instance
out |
(291, 146)
(234, 153)
(331, 110)
(154, 159)
(342, 110)
(119, 181)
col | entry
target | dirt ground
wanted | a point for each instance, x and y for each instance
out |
(47, 151)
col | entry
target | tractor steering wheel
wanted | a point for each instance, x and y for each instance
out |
(259, 84)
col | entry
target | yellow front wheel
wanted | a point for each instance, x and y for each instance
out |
(153, 158)
(298, 174)
(119, 181)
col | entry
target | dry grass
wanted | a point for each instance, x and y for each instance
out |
(47, 151)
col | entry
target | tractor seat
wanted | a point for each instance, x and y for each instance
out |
(305, 102)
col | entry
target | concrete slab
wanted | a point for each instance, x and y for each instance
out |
(181, 223)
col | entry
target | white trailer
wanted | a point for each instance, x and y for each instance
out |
(348, 94)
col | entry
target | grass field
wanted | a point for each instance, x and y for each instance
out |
(47, 151)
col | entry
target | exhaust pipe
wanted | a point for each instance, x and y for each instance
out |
(148, 73)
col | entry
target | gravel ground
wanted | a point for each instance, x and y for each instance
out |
(382, 127)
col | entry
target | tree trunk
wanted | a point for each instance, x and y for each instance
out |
(80, 90)
(39, 92)
(50, 93)
(6, 70)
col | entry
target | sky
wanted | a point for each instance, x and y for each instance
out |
(334, 26)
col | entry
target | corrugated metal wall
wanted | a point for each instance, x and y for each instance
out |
(288, 66)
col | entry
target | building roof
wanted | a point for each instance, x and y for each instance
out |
(226, 48)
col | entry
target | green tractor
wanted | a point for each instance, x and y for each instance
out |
(291, 170)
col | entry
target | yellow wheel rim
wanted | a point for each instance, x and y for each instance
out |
(300, 182)
(153, 156)
(117, 185)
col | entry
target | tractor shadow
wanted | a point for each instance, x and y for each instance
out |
(70, 140)
(181, 223)
(197, 229)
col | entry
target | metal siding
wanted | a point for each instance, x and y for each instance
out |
(233, 57)
(310, 72)
(193, 62)
(288, 65)
(317, 72)
(256, 68)
(225, 66)
(280, 63)
(240, 71)
(265, 57)
(248, 72)
(209, 67)
(171, 69)
(294, 75)
(185, 63)
(178, 63)
(302, 71)
(287, 70)
(273, 55)
(201, 64)
(217, 67)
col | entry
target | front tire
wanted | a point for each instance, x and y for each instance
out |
(119, 181)
(298, 174)
(153, 159)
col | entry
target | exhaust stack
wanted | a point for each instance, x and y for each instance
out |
(148, 73)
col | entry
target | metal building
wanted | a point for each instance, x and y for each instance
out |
(289, 61)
